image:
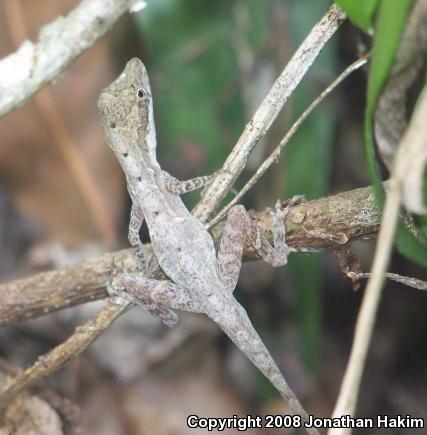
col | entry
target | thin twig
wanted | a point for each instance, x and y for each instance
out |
(56, 358)
(349, 391)
(32, 66)
(414, 137)
(416, 283)
(275, 155)
(270, 108)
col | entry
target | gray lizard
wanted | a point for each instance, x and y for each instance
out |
(200, 281)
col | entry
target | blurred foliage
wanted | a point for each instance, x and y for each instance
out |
(199, 97)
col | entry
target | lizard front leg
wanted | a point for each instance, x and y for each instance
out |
(240, 227)
(180, 187)
(167, 316)
(154, 295)
(135, 223)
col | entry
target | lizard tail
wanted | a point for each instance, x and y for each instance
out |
(244, 336)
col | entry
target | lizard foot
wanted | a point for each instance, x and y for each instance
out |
(119, 296)
(118, 289)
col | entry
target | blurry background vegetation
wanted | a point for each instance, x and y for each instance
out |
(210, 64)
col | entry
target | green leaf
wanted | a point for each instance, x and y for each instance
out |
(359, 12)
(389, 26)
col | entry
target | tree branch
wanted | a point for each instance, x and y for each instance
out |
(32, 66)
(325, 222)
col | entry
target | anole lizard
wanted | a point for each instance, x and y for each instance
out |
(199, 280)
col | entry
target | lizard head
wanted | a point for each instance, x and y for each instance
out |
(126, 110)
(127, 100)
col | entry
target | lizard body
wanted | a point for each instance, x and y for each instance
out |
(199, 281)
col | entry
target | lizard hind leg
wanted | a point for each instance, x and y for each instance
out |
(158, 297)
(276, 254)
(231, 247)
(241, 228)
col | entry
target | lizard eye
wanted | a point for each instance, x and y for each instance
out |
(140, 93)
